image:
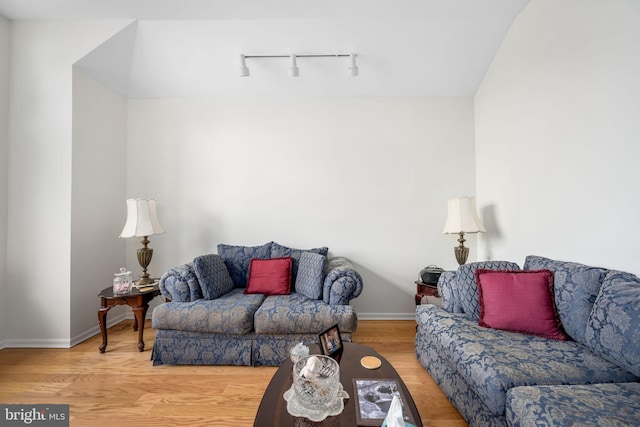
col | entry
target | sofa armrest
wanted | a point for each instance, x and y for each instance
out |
(180, 284)
(342, 282)
(447, 289)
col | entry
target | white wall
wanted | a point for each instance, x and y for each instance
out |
(40, 177)
(557, 133)
(98, 207)
(5, 34)
(368, 177)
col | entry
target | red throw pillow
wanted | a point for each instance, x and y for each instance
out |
(519, 301)
(270, 276)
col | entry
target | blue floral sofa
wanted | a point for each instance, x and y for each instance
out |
(210, 320)
(497, 378)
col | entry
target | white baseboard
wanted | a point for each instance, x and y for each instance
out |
(58, 342)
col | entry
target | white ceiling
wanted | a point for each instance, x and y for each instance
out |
(192, 47)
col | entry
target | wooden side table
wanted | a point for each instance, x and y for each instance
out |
(424, 289)
(137, 299)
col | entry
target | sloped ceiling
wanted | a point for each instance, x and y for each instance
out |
(191, 47)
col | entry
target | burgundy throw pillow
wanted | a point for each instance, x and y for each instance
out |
(270, 276)
(519, 301)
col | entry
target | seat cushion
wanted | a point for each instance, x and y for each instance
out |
(578, 405)
(493, 361)
(613, 330)
(297, 314)
(238, 258)
(576, 287)
(230, 314)
(213, 276)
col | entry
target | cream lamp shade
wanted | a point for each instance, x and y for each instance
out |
(142, 221)
(462, 218)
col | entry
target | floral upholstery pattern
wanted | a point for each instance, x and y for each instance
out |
(279, 251)
(273, 349)
(576, 287)
(613, 330)
(237, 259)
(222, 331)
(342, 282)
(467, 289)
(174, 284)
(172, 347)
(492, 361)
(230, 314)
(579, 405)
(297, 314)
(213, 276)
(310, 275)
(447, 289)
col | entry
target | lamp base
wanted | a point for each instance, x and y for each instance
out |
(144, 281)
(462, 252)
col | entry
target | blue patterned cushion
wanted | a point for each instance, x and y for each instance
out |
(279, 251)
(613, 330)
(297, 314)
(195, 292)
(238, 258)
(229, 314)
(467, 289)
(212, 275)
(576, 288)
(311, 275)
(493, 361)
(174, 284)
(577, 405)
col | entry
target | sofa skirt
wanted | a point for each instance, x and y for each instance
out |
(172, 347)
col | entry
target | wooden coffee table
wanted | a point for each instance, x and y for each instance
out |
(273, 407)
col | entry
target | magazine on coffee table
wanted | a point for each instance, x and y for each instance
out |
(374, 399)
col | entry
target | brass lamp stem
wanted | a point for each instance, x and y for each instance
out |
(461, 251)
(144, 258)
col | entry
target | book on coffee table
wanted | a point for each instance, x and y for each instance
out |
(374, 396)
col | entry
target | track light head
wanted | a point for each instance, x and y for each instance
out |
(244, 71)
(353, 69)
(294, 71)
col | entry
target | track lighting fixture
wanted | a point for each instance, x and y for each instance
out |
(294, 71)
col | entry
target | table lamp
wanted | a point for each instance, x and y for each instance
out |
(462, 218)
(142, 221)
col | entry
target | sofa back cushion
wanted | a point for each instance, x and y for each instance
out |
(613, 328)
(310, 278)
(212, 275)
(576, 288)
(237, 259)
(467, 289)
(279, 251)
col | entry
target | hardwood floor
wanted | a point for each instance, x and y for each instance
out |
(121, 387)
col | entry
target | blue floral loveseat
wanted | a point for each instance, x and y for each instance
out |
(211, 320)
(496, 377)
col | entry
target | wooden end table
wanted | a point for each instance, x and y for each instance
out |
(423, 289)
(272, 411)
(137, 299)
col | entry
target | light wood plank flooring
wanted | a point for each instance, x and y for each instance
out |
(121, 387)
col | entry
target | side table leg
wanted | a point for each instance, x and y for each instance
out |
(139, 312)
(102, 318)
